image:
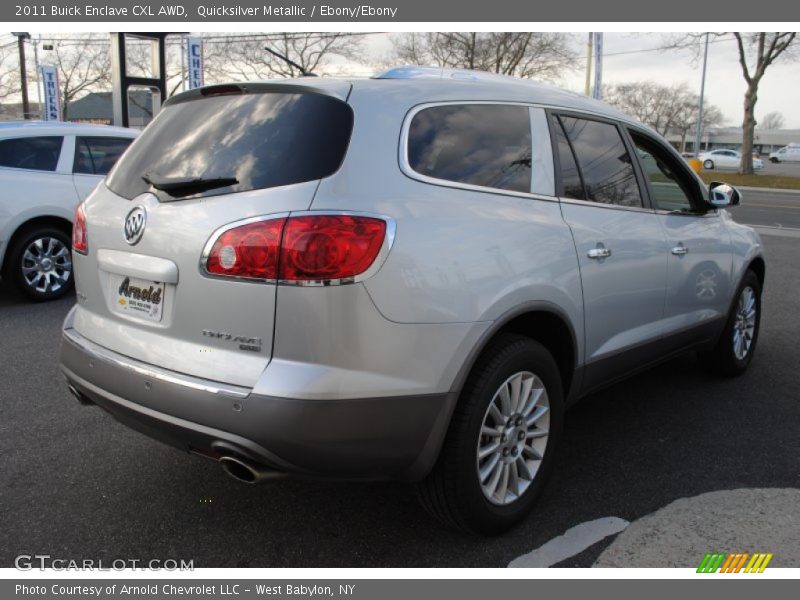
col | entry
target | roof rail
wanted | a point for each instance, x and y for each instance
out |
(420, 72)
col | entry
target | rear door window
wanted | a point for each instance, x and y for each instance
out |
(96, 155)
(485, 145)
(259, 140)
(35, 153)
(604, 162)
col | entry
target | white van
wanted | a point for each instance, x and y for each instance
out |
(790, 153)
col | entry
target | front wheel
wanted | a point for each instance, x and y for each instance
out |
(737, 344)
(774, 159)
(499, 450)
(40, 264)
(709, 165)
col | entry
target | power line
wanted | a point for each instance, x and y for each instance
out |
(662, 48)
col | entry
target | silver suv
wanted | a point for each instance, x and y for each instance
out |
(407, 277)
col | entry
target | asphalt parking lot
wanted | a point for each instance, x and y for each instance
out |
(74, 483)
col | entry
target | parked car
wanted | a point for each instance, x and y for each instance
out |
(790, 153)
(46, 170)
(726, 159)
(408, 277)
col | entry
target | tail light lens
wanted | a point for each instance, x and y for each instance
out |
(250, 251)
(322, 248)
(329, 246)
(80, 240)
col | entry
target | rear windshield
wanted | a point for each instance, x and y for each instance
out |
(261, 140)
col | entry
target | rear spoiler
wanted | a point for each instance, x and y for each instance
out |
(339, 89)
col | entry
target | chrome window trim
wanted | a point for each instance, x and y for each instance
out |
(405, 165)
(153, 372)
(642, 209)
(383, 253)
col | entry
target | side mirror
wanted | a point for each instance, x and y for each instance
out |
(722, 195)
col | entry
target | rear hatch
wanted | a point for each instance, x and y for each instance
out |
(209, 159)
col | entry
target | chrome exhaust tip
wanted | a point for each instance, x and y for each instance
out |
(247, 471)
(83, 400)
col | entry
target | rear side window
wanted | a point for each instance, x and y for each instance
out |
(36, 153)
(96, 155)
(604, 162)
(487, 145)
(261, 140)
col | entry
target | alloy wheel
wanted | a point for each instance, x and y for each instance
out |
(513, 438)
(744, 325)
(46, 265)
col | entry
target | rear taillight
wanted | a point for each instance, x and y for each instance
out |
(307, 248)
(80, 240)
(250, 251)
(329, 246)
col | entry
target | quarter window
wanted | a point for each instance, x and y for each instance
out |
(96, 155)
(604, 162)
(36, 153)
(487, 145)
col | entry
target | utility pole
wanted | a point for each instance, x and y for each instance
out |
(699, 131)
(38, 73)
(588, 88)
(597, 92)
(23, 75)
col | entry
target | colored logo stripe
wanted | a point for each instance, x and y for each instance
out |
(734, 563)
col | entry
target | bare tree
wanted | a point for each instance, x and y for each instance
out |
(772, 120)
(83, 66)
(651, 103)
(9, 72)
(522, 54)
(685, 122)
(246, 58)
(756, 52)
(667, 109)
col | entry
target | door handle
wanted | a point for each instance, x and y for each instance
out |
(680, 250)
(599, 253)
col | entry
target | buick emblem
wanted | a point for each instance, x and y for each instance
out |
(134, 225)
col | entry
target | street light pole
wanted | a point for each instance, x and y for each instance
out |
(699, 130)
(23, 75)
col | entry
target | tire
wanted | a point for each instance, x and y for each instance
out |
(39, 264)
(731, 357)
(453, 492)
(709, 165)
(774, 159)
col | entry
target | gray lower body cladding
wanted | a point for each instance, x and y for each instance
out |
(363, 438)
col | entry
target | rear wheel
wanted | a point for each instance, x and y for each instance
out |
(709, 164)
(40, 264)
(737, 344)
(499, 449)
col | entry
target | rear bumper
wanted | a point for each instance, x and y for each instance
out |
(365, 438)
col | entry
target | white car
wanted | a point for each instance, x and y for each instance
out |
(790, 153)
(46, 170)
(726, 159)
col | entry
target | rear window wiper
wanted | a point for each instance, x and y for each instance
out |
(183, 186)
